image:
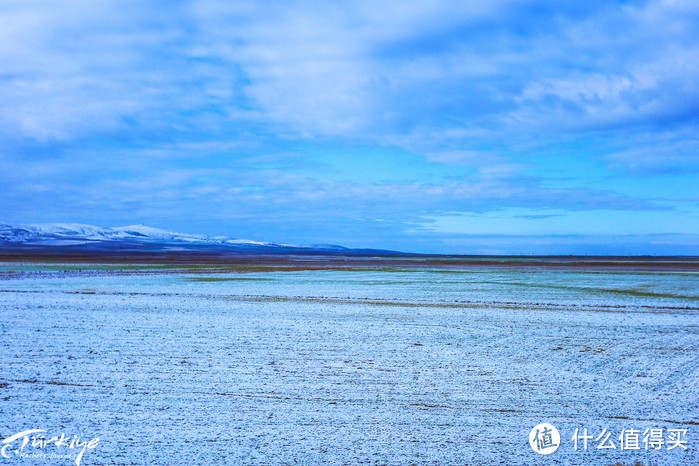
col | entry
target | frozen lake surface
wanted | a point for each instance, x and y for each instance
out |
(372, 365)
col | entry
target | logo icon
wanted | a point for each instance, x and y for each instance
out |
(544, 439)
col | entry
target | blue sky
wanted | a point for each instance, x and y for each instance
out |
(455, 127)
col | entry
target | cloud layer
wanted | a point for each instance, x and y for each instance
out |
(385, 125)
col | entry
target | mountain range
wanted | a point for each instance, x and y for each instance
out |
(74, 237)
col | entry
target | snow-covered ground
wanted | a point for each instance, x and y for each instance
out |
(337, 367)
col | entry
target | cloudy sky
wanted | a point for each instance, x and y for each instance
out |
(456, 127)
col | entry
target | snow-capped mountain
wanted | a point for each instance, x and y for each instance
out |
(59, 233)
(57, 237)
(74, 234)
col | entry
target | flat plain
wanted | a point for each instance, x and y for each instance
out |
(285, 360)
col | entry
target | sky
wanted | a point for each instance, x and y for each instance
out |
(471, 127)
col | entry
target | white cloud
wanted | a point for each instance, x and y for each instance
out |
(380, 72)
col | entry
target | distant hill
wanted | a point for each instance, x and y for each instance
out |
(74, 237)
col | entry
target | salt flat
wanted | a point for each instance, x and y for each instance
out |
(375, 365)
